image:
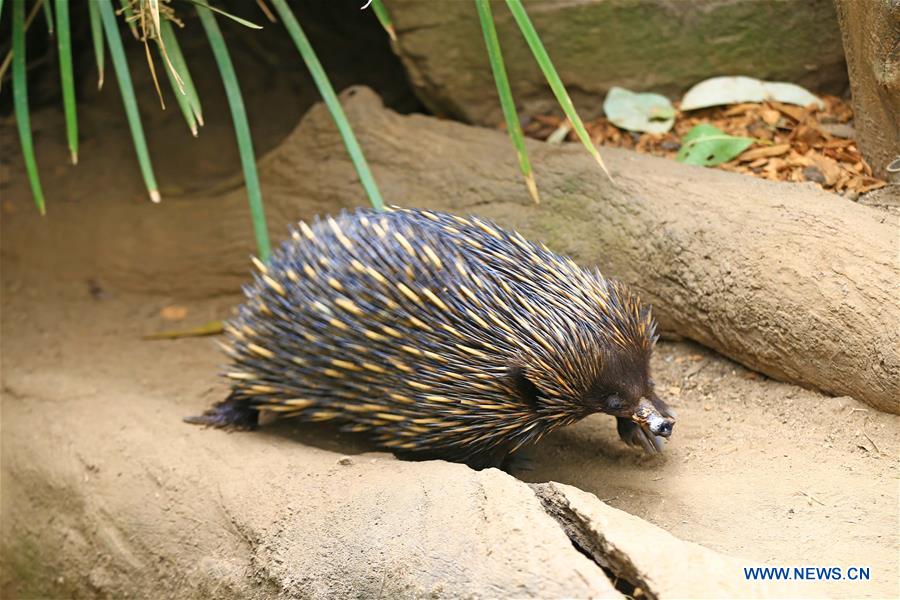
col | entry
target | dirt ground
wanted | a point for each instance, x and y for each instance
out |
(756, 468)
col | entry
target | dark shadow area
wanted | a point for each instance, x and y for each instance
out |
(537, 463)
(323, 435)
(275, 83)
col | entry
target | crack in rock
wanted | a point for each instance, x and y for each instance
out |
(615, 563)
(645, 561)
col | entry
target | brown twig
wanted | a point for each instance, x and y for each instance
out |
(7, 60)
(813, 498)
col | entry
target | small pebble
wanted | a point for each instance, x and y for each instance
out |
(813, 174)
(670, 145)
(345, 460)
(173, 312)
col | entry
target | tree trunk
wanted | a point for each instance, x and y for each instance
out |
(871, 32)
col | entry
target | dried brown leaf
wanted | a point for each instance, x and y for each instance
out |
(770, 116)
(764, 151)
(173, 312)
(797, 113)
(829, 167)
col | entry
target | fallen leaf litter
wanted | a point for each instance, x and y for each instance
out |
(793, 143)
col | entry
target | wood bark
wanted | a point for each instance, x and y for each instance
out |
(871, 34)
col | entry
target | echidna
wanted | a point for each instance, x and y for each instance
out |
(438, 334)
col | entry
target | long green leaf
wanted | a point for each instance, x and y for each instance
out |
(503, 90)
(97, 35)
(384, 18)
(234, 18)
(64, 43)
(331, 101)
(188, 100)
(177, 57)
(154, 32)
(184, 104)
(48, 16)
(241, 128)
(556, 84)
(120, 64)
(20, 103)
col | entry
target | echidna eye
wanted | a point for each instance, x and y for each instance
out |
(613, 402)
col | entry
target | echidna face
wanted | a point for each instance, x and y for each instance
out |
(625, 391)
(623, 381)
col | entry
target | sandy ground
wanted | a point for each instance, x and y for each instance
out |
(756, 468)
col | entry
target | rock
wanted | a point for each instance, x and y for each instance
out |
(197, 513)
(253, 515)
(653, 45)
(647, 557)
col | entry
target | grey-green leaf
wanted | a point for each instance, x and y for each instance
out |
(651, 113)
(719, 91)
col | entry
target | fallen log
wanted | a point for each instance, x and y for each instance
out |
(786, 279)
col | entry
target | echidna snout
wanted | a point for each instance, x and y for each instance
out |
(441, 335)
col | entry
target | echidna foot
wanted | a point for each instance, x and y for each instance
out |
(231, 414)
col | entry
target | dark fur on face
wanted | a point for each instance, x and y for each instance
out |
(624, 380)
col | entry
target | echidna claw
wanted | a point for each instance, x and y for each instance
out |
(639, 436)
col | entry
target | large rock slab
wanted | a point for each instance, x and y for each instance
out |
(117, 498)
(656, 45)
